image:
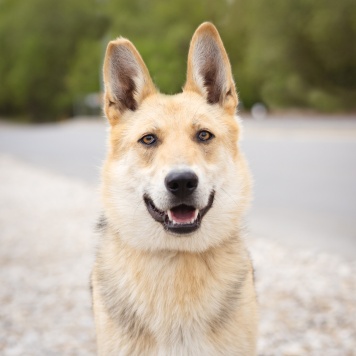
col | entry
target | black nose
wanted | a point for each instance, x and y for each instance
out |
(181, 183)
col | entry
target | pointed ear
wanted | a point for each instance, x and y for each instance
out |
(126, 78)
(209, 71)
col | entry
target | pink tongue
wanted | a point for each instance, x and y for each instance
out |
(183, 213)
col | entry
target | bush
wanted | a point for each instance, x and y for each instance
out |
(40, 40)
(283, 53)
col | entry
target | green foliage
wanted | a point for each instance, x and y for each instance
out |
(303, 53)
(40, 40)
(283, 52)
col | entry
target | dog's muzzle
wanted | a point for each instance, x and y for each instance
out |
(182, 217)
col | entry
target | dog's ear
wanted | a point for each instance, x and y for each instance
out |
(209, 71)
(126, 78)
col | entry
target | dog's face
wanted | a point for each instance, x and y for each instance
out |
(174, 178)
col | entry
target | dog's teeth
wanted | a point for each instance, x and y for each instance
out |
(174, 222)
(196, 213)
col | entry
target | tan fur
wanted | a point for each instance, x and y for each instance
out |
(156, 293)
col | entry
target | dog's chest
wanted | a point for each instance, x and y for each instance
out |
(181, 303)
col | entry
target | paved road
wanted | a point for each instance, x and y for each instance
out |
(305, 172)
(305, 182)
(74, 148)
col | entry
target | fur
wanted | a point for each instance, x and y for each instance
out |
(158, 292)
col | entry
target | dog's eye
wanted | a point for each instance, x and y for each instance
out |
(148, 139)
(204, 135)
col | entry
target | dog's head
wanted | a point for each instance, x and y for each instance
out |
(174, 178)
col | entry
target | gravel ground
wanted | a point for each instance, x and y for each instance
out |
(308, 299)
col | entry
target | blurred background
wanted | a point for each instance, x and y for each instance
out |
(298, 54)
(294, 64)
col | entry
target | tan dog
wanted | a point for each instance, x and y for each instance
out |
(172, 275)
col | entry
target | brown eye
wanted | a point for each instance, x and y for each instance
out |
(204, 135)
(148, 140)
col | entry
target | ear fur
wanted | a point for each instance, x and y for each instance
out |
(209, 71)
(126, 78)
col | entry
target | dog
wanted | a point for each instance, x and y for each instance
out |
(172, 275)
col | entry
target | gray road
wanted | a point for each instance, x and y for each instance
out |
(305, 182)
(305, 172)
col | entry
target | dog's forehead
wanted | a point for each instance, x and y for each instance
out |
(183, 108)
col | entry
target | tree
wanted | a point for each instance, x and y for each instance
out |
(283, 53)
(40, 39)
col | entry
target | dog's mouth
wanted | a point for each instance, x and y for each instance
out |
(180, 219)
